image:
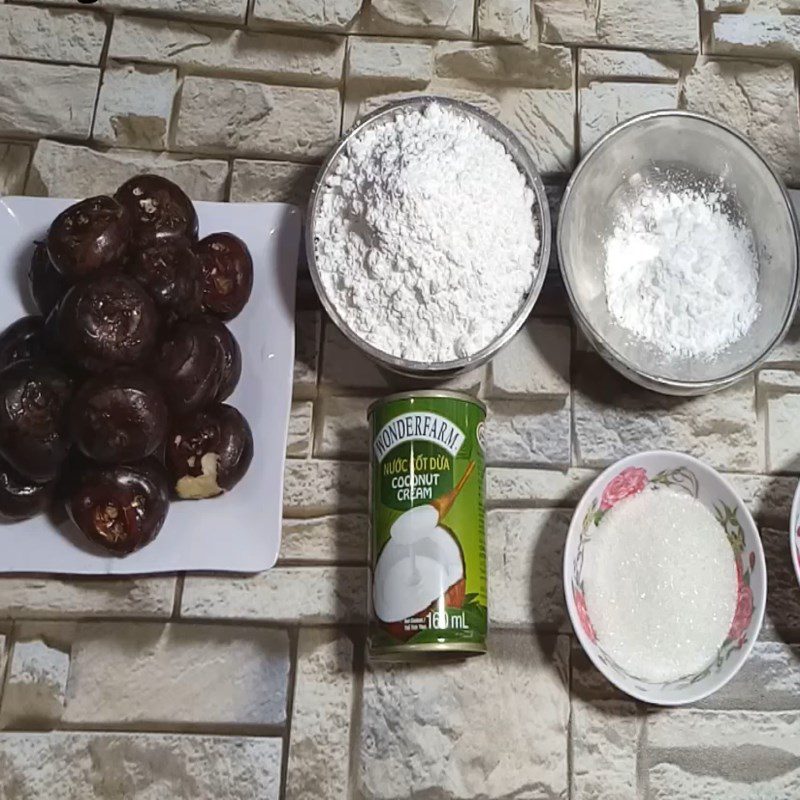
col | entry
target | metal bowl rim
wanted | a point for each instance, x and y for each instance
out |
(541, 216)
(617, 360)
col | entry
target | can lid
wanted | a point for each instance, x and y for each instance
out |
(444, 394)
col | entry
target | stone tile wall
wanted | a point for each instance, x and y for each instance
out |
(256, 687)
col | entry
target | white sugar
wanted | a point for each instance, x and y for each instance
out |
(660, 585)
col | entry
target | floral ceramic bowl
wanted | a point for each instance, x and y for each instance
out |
(794, 532)
(655, 471)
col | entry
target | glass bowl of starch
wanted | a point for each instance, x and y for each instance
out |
(678, 249)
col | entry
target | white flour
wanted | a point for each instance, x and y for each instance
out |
(426, 241)
(681, 275)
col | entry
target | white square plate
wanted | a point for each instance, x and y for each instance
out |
(239, 531)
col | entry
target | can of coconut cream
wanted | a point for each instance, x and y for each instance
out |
(427, 527)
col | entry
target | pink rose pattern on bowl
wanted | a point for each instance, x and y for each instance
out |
(744, 607)
(632, 481)
(583, 614)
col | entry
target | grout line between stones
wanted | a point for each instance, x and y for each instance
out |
(574, 459)
(762, 421)
(10, 641)
(570, 743)
(231, 729)
(642, 773)
(294, 647)
(307, 562)
(178, 597)
(220, 72)
(54, 62)
(29, 167)
(703, 28)
(242, 622)
(229, 179)
(357, 712)
(175, 110)
(160, 14)
(102, 65)
(222, 730)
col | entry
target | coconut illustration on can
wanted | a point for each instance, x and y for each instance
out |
(425, 465)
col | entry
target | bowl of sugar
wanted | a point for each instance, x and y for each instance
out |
(678, 247)
(664, 577)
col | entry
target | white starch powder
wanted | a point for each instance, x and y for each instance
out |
(680, 274)
(426, 239)
(660, 585)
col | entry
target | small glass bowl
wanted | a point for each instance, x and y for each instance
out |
(675, 150)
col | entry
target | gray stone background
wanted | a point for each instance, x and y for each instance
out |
(256, 687)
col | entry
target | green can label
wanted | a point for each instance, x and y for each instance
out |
(428, 548)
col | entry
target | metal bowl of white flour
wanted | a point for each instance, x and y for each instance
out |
(428, 236)
(678, 247)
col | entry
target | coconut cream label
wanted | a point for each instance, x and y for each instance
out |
(420, 426)
(428, 552)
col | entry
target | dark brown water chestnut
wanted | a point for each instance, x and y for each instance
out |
(189, 363)
(33, 402)
(22, 340)
(120, 507)
(227, 274)
(158, 208)
(20, 497)
(106, 322)
(208, 452)
(170, 272)
(231, 356)
(46, 283)
(89, 236)
(119, 416)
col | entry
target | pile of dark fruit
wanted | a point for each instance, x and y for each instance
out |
(111, 401)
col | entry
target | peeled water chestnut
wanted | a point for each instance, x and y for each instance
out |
(46, 283)
(120, 507)
(107, 322)
(33, 403)
(208, 452)
(89, 236)
(20, 497)
(189, 364)
(158, 209)
(227, 269)
(117, 417)
(23, 340)
(231, 356)
(170, 272)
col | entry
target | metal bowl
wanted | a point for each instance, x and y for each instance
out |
(495, 129)
(677, 150)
